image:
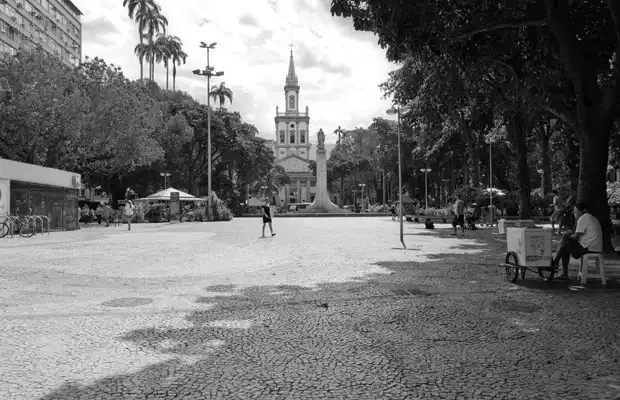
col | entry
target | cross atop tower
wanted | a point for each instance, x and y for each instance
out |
(291, 76)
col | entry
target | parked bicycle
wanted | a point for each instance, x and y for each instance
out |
(14, 224)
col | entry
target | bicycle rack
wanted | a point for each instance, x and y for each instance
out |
(47, 220)
(36, 218)
(14, 222)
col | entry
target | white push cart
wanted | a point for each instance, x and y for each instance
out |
(529, 249)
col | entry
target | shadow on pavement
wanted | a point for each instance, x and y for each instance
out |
(384, 336)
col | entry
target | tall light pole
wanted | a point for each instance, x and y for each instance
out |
(426, 171)
(398, 111)
(165, 175)
(383, 185)
(490, 140)
(362, 185)
(208, 73)
(445, 180)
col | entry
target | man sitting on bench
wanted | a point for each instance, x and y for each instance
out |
(588, 238)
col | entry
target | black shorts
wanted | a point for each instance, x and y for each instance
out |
(458, 220)
(266, 220)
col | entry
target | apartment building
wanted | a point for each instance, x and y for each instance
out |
(53, 24)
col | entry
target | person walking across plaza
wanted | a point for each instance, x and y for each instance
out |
(267, 217)
(129, 207)
(107, 213)
(459, 215)
(558, 211)
(588, 238)
(99, 213)
(85, 214)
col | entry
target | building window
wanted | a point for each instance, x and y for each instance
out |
(292, 135)
(282, 133)
(281, 152)
(302, 137)
(291, 101)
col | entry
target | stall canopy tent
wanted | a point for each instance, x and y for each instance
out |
(165, 195)
(254, 202)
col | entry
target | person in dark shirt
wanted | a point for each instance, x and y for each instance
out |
(267, 217)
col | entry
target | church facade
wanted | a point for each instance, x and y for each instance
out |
(292, 148)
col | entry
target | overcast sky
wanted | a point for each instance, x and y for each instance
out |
(339, 69)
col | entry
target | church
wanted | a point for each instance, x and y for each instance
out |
(292, 146)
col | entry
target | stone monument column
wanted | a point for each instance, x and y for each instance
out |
(321, 202)
(308, 194)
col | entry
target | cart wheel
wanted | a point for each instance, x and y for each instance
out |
(546, 274)
(512, 271)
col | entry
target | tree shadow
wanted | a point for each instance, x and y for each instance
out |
(263, 342)
(340, 340)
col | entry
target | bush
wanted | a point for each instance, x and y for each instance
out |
(219, 209)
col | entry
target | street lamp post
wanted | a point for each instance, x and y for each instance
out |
(165, 175)
(490, 140)
(446, 194)
(398, 111)
(383, 184)
(362, 185)
(426, 171)
(208, 73)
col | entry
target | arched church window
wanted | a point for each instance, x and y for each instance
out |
(292, 135)
(302, 137)
(282, 137)
(291, 101)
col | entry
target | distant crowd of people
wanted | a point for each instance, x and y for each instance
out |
(104, 214)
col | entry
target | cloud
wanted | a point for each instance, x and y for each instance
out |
(98, 31)
(248, 20)
(339, 69)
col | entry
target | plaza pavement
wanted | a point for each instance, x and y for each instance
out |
(329, 308)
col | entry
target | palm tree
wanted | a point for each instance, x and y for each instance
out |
(153, 22)
(221, 93)
(167, 46)
(177, 58)
(141, 51)
(137, 9)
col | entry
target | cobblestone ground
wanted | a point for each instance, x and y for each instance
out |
(327, 309)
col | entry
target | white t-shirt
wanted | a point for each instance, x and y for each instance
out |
(592, 237)
(128, 210)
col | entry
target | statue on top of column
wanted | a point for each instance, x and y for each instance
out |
(321, 139)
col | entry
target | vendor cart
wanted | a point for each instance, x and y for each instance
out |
(529, 249)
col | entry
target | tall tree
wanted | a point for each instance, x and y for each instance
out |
(138, 9)
(580, 37)
(168, 46)
(221, 93)
(153, 22)
(177, 58)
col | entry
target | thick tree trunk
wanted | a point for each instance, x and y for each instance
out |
(592, 189)
(516, 126)
(595, 110)
(546, 165)
(167, 75)
(473, 159)
(341, 199)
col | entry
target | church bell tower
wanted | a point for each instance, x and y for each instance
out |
(292, 126)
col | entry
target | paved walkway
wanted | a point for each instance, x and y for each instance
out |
(327, 309)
